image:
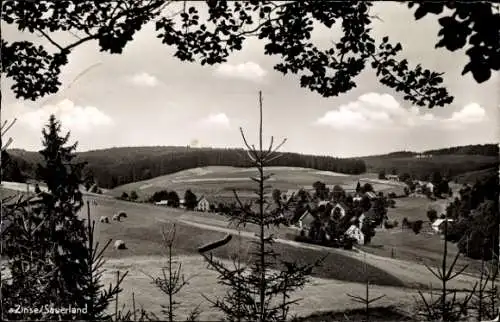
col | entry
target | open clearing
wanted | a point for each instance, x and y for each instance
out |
(215, 181)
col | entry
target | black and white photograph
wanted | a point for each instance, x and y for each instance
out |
(301, 161)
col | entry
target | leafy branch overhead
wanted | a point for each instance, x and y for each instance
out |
(474, 25)
(285, 28)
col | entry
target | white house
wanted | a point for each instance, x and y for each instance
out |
(202, 205)
(430, 187)
(392, 177)
(356, 233)
(162, 203)
(438, 225)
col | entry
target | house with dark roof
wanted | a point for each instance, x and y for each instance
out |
(306, 220)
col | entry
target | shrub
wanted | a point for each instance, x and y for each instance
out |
(133, 196)
(432, 215)
(417, 226)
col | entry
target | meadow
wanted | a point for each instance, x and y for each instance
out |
(342, 271)
(219, 182)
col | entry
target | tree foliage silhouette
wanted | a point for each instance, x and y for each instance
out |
(467, 24)
(285, 27)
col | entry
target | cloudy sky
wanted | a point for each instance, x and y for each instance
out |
(147, 97)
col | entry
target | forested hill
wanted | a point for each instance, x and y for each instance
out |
(117, 166)
(489, 150)
(454, 162)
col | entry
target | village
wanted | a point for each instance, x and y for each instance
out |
(328, 215)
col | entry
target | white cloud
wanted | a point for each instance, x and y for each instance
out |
(72, 117)
(219, 120)
(470, 113)
(382, 111)
(144, 79)
(248, 71)
(369, 111)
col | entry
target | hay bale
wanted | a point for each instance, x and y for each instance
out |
(120, 244)
(104, 219)
(122, 214)
(116, 217)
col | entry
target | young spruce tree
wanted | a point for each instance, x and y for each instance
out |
(259, 292)
(65, 234)
(49, 250)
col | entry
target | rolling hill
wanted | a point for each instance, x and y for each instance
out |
(219, 181)
(118, 166)
(453, 162)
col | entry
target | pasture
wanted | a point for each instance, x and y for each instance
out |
(342, 271)
(220, 181)
(426, 247)
(141, 231)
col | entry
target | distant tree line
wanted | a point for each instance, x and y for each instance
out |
(449, 166)
(118, 166)
(490, 150)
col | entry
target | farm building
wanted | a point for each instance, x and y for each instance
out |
(355, 232)
(357, 198)
(323, 203)
(371, 195)
(438, 225)
(306, 220)
(202, 205)
(162, 203)
(392, 177)
(341, 208)
(430, 187)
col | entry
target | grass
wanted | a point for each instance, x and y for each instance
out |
(472, 176)
(384, 313)
(214, 181)
(141, 232)
(341, 273)
(426, 247)
(320, 295)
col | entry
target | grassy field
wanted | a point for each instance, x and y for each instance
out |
(425, 247)
(218, 182)
(142, 233)
(376, 163)
(472, 176)
(342, 271)
(319, 295)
